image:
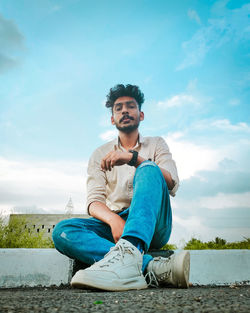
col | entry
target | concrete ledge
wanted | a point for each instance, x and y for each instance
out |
(47, 267)
(219, 267)
(33, 267)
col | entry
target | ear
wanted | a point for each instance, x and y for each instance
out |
(141, 116)
(112, 120)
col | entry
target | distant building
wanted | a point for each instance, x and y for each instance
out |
(44, 223)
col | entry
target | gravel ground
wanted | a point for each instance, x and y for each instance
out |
(65, 299)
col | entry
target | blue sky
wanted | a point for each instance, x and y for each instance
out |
(58, 60)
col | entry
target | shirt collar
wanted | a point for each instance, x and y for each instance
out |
(116, 141)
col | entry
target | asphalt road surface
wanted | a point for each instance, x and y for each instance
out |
(65, 299)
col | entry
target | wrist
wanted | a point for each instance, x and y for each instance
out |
(130, 156)
(134, 158)
(111, 218)
(139, 161)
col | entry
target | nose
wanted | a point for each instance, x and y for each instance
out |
(124, 110)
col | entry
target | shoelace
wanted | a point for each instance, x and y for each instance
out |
(164, 275)
(119, 256)
(154, 280)
(151, 280)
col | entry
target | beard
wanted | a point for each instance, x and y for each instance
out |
(127, 129)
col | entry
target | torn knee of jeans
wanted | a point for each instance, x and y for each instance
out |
(63, 235)
(147, 163)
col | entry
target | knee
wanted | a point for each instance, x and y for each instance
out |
(58, 231)
(147, 163)
(149, 171)
(148, 167)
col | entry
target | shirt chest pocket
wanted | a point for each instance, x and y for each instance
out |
(111, 177)
(149, 155)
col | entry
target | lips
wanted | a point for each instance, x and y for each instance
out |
(126, 120)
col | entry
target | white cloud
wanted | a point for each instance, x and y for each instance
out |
(194, 226)
(179, 100)
(212, 158)
(11, 40)
(194, 56)
(55, 8)
(108, 135)
(223, 124)
(191, 223)
(233, 25)
(193, 15)
(219, 201)
(190, 157)
(186, 228)
(198, 148)
(105, 120)
(103, 102)
(190, 98)
(226, 201)
(227, 125)
(47, 185)
(234, 102)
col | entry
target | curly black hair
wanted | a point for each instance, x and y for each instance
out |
(121, 90)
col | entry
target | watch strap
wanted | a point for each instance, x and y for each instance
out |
(133, 161)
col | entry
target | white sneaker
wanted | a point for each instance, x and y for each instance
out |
(120, 269)
(170, 271)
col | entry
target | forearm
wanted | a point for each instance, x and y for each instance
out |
(117, 158)
(168, 178)
(165, 173)
(100, 211)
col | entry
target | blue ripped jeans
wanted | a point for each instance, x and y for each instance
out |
(148, 218)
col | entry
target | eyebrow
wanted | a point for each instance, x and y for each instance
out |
(127, 102)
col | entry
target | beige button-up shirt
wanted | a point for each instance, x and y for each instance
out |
(115, 188)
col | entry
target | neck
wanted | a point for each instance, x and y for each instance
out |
(128, 141)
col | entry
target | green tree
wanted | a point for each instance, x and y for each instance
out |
(218, 243)
(169, 246)
(16, 234)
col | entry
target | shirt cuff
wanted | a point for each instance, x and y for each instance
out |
(173, 191)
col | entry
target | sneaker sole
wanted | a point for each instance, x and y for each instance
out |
(182, 269)
(83, 280)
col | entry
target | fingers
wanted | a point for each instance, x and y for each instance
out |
(108, 162)
(114, 158)
(117, 233)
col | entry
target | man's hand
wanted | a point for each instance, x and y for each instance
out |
(116, 224)
(100, 211)
(115, 158)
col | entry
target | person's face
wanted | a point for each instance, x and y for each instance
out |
(126, 115)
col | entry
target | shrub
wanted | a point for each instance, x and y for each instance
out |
(15, 234)
(169, 247)
(218, 243)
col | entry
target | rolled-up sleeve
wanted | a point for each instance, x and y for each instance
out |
(163, 158)
(96, 181)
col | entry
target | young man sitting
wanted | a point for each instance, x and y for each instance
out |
(128, 186)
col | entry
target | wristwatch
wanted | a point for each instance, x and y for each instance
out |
(133, 161)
